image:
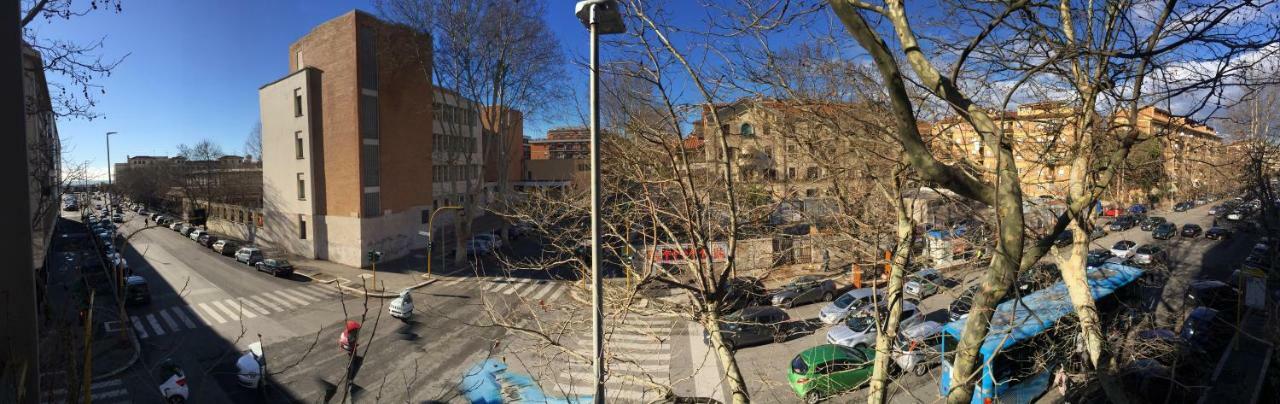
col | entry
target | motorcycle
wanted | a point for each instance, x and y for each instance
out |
(174, 389)
(349, 336)
(252, 367)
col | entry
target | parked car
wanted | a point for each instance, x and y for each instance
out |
(117, 218)
(1113, 212)
(186, 230)
(175, 226)
(1097, 257)
(1235, 215)
(1138, 209)
(1151, 222)
(1064, 238)
(1123, 223)
(402, 306)
(1191, 230)
(276, 267)
(1213, 294)
(803, 290)
(861, 328)
(1205, 329)
(1123, 248)
(1150, 254)
(1217, 233)
(249, 255)
(923, 284)
(225, 247)
(136, 290)
(919, 347)
(195, 234)
(1214, 211)
(495, 242)
(744, 291)
(1164, 231)
(477, 247)
(754, 325)
(826, 370)
(207, 240)
(1182, 206)
(850, 301)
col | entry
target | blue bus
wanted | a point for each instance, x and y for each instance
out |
(1015, 366)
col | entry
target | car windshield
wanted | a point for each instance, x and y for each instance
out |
(280, 263)
(798, 366)
(1146, 250)
(860, 322)
(844, 301)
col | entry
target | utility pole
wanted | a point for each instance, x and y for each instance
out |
(110, 189)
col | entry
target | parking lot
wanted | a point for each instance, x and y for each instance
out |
(765, 366)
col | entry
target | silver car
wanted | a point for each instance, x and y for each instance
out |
(918, 347)
(849, 302)
(803, 290)
(861, 328)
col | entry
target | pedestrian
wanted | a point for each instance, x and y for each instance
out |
(826, 260)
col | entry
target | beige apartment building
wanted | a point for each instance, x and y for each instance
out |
(346, 161)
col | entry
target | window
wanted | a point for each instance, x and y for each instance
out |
(300, 64)
(302, 188)
(747, 130)
(369, 164)
(372, 204)
(733, 152)
(368, 116)
(297, 102)
(811, 192)
(366, 58)
(426, 215)
(297, 144)
(791, 173)
(811, 173)
(302, 228)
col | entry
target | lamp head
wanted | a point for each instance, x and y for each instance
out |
(608, 17)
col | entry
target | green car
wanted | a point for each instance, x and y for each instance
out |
(827, 370)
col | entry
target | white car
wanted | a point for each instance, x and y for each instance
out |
(1235, 215)
(1123, 248)
(402, 306)
(251, 366)
(495, 242)
(917, 347)
(861, 328)
(195, 234)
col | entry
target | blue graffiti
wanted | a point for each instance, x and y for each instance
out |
(485, 383)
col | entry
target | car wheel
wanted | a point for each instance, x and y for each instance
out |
(920, 369)
(789, 304)
(812, 397)
(780, 337)
(176, 399)
(826, 297)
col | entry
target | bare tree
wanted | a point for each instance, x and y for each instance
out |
(253, 144)
(79, 65)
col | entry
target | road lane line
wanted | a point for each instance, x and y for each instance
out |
(266, 303)
(254, 306)
(231, 314)
(173, 325)
(557, 294)
(308, 292)
(279, 300)
(217, 318)
(287, 296)
(138, 328)
(307, 299)
(182, 315)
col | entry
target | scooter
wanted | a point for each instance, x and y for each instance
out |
(174, 389)
(252, 367)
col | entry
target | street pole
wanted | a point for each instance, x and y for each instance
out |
(110, 190)
(432, 227)
(597, 295)
(86, 397)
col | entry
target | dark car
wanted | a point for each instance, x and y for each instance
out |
(1097, 257)
(1213, 294)
(136, 290)
(277, 267)
(206, 240)
(754, 325)
(1164, 231)
(1123, 223)
(1064, 238)
(1138, 209)
(1182, 206)
(1151, 222)
(1217, 233)
(1191, 230)
(744, 292)
(1206, 329)
(803, 290)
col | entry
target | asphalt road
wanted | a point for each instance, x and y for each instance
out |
(206, 309)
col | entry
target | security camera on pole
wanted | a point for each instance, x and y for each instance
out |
(600, 17)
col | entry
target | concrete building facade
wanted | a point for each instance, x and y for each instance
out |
(345, 159)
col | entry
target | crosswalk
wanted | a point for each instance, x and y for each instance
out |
(175, 319)
(106, 391)
(639, 349)
(532, 289)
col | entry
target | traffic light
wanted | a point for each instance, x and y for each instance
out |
(375, 256)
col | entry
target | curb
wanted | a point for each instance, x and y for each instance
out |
(360, 292)
(137, 352)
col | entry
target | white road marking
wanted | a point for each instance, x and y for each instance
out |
(307, 299)
(278, 299)
(138, 328)
(182, 315)
(108, 383)
(543, 292)
(266, 303)
(557, 294)
(169, 320)
(309, 292)
(232, 309)
(214, 313)
(151, 318)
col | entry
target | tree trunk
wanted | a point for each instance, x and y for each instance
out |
(886, 337)
(732, 374)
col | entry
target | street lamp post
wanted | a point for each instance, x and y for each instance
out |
(431, 227)
(601, 17)
(110, 193)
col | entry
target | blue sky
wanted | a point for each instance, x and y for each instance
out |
(194, 68)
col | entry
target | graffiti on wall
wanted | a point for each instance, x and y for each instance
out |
(489, 382)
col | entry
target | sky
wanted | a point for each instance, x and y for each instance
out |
(194, 68)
